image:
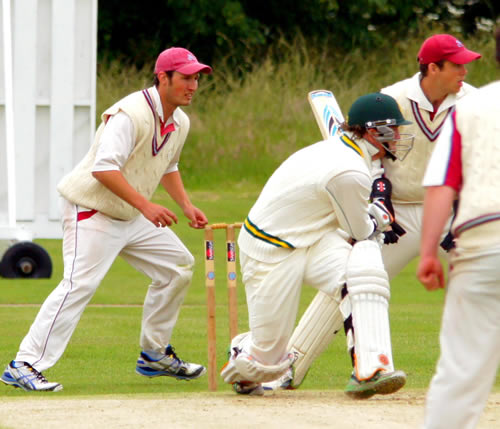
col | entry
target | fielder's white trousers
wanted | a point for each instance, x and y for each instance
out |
(273, 292)
(470, 345)
(89, 248)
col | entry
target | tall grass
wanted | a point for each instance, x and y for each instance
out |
(244, 124)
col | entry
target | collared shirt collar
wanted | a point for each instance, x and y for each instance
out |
(416, 94)
(155, 95)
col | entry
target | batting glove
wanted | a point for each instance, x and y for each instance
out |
(392, 236)
(380, 214)
(381, 191)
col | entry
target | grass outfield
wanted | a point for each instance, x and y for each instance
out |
(100, 358)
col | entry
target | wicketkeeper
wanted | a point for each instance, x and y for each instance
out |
(313, 224)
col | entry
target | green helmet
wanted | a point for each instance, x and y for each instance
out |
(375, 109)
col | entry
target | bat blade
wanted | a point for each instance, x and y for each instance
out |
(326, 111)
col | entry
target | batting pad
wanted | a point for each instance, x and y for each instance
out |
(368, 287)
(316, 329)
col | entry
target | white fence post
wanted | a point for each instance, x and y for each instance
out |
(52, 104)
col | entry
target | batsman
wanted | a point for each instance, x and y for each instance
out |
(313, 224)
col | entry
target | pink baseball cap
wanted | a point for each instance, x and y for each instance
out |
(445, 47)
(180, 60)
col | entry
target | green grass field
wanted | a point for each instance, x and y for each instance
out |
(100, 359)
(242, 128)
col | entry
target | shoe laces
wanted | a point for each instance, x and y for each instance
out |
(38, 375)
(170, 352)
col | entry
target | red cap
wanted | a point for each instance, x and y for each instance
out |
(445, 47)
(180, 60)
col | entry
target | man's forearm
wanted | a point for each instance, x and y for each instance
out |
(437, 209)
(172, 182)
(116, 183)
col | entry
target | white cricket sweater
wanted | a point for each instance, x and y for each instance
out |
(294, 209)
(478, 122)
(144, 168)
(406, 176)
(467, 159)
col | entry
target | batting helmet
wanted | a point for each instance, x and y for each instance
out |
(376, 107)
(381, 112)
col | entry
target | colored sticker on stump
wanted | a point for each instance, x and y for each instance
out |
(231, 252)
(209, 251)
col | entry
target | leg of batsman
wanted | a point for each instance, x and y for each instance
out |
(242, 367)
(210, 287)
(368, 289)
(368, 296)
(316, 330)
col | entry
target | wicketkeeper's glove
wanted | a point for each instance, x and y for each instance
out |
(382, 190)
(448, 242)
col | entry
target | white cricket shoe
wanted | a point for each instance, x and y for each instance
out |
(23, 375)
(285, 382)
(248, 388)
(169, 365)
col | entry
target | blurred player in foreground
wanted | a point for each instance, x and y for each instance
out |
(107, 212)
(465, 163)
(427, 99)
(291, 237)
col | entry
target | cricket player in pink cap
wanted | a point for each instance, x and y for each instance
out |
(107, 212)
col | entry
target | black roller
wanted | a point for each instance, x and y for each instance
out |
(26, 259)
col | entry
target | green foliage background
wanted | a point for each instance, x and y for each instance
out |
(240, 31)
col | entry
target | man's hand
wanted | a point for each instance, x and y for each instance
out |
(390, 237)
(196, 216)
(380, 214)
(160, 216)
(382, 191)
(392, 234)
(172, 183)
(430, 273)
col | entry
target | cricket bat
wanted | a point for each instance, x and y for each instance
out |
(326, 111)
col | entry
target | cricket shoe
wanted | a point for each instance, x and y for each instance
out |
(382, 383)
(285, 382)
(248, 388)
(169, 365)
(23, 375)
(243, 367)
